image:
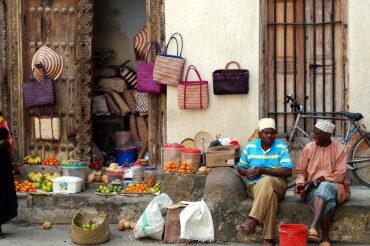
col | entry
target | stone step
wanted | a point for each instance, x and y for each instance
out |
(351, 221)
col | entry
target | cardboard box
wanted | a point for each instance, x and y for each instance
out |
(220, 157)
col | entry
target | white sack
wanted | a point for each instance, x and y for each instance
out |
(196, 222)
(151, 222)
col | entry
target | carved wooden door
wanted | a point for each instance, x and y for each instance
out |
(66, 27)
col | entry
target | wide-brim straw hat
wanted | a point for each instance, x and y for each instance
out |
(51, 61)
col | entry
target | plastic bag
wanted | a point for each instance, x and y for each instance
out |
(196, 222)
(151, 222)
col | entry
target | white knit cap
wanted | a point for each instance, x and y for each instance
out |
(325, 126)
(266, 123)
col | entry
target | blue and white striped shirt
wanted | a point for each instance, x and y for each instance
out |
(275, 157)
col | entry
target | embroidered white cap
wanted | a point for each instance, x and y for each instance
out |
(325, 126)
(266, 123)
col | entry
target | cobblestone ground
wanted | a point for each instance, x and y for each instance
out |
(59, 235)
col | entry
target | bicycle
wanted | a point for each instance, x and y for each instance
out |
(359, 154)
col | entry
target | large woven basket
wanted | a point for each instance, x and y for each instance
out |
(116, 84)
(130, 100)
(98, 235)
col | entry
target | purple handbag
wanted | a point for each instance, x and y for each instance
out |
(144, 70)
(230, 81)
(39, 93)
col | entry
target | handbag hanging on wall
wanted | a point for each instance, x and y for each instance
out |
(192, 94)
(230, 81)
(47, 128)
(145, 68)
(168, 69)
(39, 93)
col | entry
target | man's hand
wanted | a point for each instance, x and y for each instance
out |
(256, 172)
(303, 189)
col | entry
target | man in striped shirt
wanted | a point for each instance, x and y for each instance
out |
(266, 164)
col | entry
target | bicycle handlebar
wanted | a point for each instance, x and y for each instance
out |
(294, 104)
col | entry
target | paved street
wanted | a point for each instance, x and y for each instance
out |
(60, 235)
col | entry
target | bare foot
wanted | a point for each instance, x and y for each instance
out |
(269, 242)
(249, 226)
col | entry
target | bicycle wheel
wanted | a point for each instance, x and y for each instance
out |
(360, 152)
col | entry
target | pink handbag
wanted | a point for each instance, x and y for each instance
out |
(192, 94)
(144, 70)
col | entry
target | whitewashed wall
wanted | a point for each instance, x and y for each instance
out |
(359, 57)
(215, 32)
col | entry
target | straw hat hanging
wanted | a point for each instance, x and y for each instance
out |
(51, 61)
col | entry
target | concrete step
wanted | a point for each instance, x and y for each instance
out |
(351, 221)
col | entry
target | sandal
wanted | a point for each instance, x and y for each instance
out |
(325, 243)
(313, 235)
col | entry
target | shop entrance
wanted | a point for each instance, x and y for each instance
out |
(115, 109)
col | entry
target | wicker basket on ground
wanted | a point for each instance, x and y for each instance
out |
(99, 234)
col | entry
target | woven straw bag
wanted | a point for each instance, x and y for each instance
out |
(113, 108)
(144, 68)
(130, 99)
(168, 69)
(100, 234)
(141, 103)
(100, 105)
(192, 94)
(105, 72)
(116, 84)
(121, 103)
(133, 128)
(142, 128)
(129, 75)
(47, 128)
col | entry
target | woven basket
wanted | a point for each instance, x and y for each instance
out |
(100, 105)
(142, 128)
(129, 75)
(133, 128)
(51, 61)
(98, 235)
(142, 103)
(121, 103)
(105, 72)
(113, 108)
(116, 84)
(47, 128)
(130, 99)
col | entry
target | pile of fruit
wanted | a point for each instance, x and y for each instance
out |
(43, 181)
(26, 186)
(185, 168)
(96, 165)
(50, 161)
(38, 177)
(68, 160)
(170, 166)
(88, 226)
(142, 188)
(108, 189)
(32, 160)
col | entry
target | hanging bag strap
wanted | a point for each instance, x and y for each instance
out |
(173, 37)
(232, 62)
(192, 67)
(150, 46)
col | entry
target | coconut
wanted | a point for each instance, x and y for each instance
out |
(91, 178)
(46, 225)
(121, 225)
(202, 170)
(132, 225)
(98, 177)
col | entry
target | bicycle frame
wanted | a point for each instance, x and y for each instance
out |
(351, 131)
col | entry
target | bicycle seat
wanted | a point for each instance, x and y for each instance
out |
(353, 116)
